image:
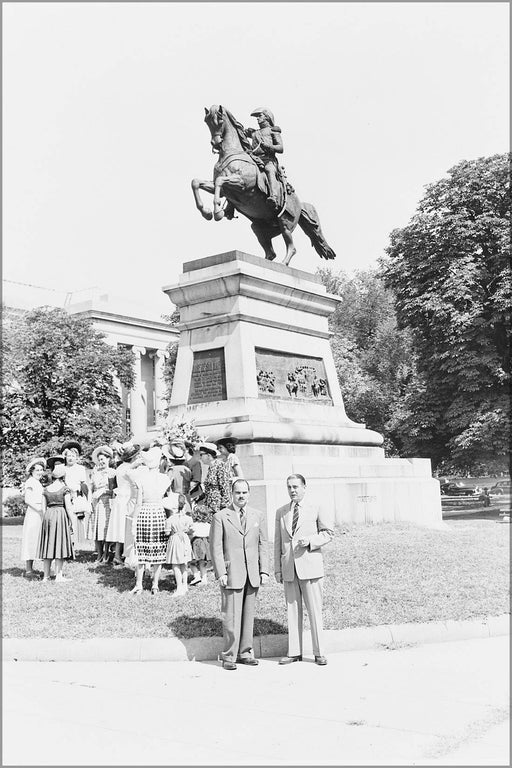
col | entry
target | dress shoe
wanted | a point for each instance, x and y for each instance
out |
(289, 659)
(229, 665)
(249, 661)
(321, 660)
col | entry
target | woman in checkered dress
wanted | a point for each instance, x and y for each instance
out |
(149, 519)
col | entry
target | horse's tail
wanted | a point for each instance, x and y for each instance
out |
(310, 224)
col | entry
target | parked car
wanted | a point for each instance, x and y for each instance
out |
(459, 488)
(500, 488)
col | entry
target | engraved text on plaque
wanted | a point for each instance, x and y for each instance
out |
(208, 380)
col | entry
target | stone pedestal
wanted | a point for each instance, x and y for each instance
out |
(254, 362)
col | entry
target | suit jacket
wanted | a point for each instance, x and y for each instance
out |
(317, 525)
(241, 555)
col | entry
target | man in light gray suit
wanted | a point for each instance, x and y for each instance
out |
(302, 528)
(239, 552)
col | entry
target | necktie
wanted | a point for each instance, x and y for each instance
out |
(242, 519)
(295, 517)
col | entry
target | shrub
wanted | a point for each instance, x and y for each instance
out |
(14, 506)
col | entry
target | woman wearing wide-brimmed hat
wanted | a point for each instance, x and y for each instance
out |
(76, 481)
(33, 497)
(56, 542)
(179, 474)
(123, 501)
(149, 519)
(102, 482)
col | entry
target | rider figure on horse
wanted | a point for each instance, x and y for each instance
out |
(266, 143)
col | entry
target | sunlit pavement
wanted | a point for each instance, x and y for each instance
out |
(442, 704)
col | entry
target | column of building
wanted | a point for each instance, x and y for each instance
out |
(138, 411)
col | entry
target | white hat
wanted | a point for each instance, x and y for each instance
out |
(210, 448)
(152, 457)
(34, 462)
(105, 449)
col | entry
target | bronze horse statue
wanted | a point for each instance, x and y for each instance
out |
(239, 184)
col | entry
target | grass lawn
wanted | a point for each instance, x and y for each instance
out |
(382, 574)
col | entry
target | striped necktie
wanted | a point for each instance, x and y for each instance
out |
(295, 517)
(242, 519)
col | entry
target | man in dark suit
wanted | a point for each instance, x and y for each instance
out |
(302, 528)
(239, 552)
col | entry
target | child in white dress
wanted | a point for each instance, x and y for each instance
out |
(179, 552)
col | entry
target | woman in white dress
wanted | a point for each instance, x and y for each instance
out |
(33, 514)
(123, 501)
(76, 481)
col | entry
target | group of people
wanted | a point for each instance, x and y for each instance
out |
(182, 505)
(141, 508)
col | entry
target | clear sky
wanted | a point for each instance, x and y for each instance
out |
(103, 125)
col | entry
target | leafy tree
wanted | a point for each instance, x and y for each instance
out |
(170, 358)
(449, 270)
(58, 383)
(373, 358)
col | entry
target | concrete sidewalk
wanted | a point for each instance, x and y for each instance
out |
(435, 704)
(209, 648)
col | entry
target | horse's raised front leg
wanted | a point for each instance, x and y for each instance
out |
(207, 186)
(218, 210)
(235, 180)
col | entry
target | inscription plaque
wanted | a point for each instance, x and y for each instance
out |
(291, 377)
(208, 379)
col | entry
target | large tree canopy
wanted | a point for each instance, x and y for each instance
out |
(372, 356)
(449, 270)
(58, 383)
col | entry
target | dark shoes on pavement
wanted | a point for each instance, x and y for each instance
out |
(320, 660)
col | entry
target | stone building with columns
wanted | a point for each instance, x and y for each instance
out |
(125, 324)
(143, 405)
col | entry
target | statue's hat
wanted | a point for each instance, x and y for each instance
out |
(263, 111)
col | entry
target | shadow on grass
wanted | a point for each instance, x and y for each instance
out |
(123, 579)
(187, 627)
(13, 571)
(84, 556)
(269, 627)
(492, 515)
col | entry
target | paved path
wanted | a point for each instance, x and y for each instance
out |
(436, 704)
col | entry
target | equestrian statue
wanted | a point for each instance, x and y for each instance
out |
(248, 178)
